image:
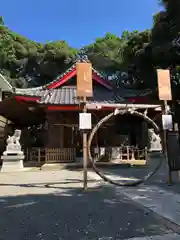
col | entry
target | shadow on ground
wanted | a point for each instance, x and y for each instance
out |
(52, 185)
(139, 172)
(69, 213)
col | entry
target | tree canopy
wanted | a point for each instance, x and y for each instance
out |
(24, 61)
(28, 63)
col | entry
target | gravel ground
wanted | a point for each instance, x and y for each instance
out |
(52, 206)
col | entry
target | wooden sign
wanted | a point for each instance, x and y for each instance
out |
(164, 84)
(84, 80)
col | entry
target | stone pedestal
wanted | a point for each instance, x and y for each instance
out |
(13, 156)
(12, 163)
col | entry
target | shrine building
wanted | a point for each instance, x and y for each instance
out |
(49, 115)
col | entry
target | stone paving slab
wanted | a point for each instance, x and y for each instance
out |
(170, 236)
(159, 200)
(163, 202)
(52, 205)
(115, 177)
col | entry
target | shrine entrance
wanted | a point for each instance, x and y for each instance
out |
(124, 138)
(130, 152)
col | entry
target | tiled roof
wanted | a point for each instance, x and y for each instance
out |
(67, 96)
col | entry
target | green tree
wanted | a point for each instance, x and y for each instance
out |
(1, 20)
(27, 62)
(107, 52)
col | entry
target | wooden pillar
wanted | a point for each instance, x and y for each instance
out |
(144, 134)
(48, 127)
(61, 136)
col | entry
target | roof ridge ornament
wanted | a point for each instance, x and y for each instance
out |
(81, 56)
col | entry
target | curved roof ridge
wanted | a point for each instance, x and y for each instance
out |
(39, 88)
(22, 90)
(4, 84)
(98, 73)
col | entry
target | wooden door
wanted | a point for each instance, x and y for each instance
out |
(55, 136)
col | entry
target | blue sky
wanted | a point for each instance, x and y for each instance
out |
(78, 22)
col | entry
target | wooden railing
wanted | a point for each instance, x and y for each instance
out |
(51, 155)
(35, 155)
(115, 154)
(60, 154)
(102, 154)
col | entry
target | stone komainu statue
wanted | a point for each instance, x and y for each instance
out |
(14, 139)
(13, 144)
(155, 141)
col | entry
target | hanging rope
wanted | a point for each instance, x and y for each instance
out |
(95, 129)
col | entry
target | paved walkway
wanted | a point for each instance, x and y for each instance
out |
(52, 205)
(163, 201)
(155, 195)
(171, 236)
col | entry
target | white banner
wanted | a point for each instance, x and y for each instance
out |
(85, 121)
(167, 122)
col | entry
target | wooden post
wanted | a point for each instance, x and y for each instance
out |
(176, 129)
(146, 155)
(164, 89)
(39, 155)
(128, 158)
(84, 90)
(165, 111)
(85, 153)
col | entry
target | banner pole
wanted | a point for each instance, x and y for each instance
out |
(85, 153)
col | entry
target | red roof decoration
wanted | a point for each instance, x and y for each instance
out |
(60, 81)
